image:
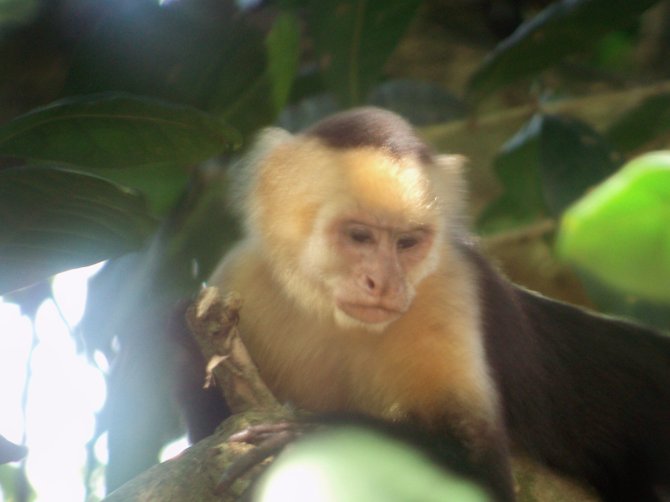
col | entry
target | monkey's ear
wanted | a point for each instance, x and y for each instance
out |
(245, 169)
(450, 186)
(452, 163)
(268, 139)
(450, 171)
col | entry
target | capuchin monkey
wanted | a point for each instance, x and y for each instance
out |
(364, 293)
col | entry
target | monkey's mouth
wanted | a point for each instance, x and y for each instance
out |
(370, 313)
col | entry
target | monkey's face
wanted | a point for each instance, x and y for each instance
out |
(350, 233)
(367, 265)
(378, 262)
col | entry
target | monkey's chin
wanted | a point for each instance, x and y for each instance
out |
(368, 317)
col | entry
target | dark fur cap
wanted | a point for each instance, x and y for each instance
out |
(374, 127)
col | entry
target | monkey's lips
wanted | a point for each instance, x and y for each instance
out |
(372, 314)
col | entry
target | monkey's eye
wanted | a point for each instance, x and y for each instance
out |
(360, 235)
(407, 242)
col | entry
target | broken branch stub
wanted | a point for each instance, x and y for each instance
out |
(213, 321)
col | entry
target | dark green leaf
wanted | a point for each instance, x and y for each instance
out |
(573, 158)
(162, 185)
(115, 130)
(283, 46)
(548, 164)
(253, 76)
(179, 258)
(146, 47)
(642, 124)
(53, 220)
(354, 38)
(517, 168)
(563, 28)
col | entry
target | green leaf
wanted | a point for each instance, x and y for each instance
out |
(351, 463)
(573, 157)
(208, 55)
(17, 12)
(548, 164)
(253, 76)
(53, 220)
(620, 231)
(516, 166)
(563, 28)
(115, 130)
(642, 124)
(162, 185)
(354, 38)
(283, 49)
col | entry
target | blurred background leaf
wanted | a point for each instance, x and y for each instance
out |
(357, 464)
(548, 164)
(353, 38)
(562, 28)
(54, 220)
(620, 231)
(115, 130)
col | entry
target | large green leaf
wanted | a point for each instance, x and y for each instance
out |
(163, 185)
(53, 220)
(546, 166)
(516, 166)
(283, 49)
(620, 231)
(563, 28)
(205, 54)
(115, 130)
(352, 463)
(354, 38)
(253, 76)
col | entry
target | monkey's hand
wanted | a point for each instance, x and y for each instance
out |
(269, 440)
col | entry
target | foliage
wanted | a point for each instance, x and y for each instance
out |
(358, 464)
(148, 101)
(548, 164)
(354, 39)
(629, 212)
(561, 29)
(55, 219)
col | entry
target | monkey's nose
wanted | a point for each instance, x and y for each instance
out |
(376, 287)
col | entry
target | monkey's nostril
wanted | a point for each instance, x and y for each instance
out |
(370, 283)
